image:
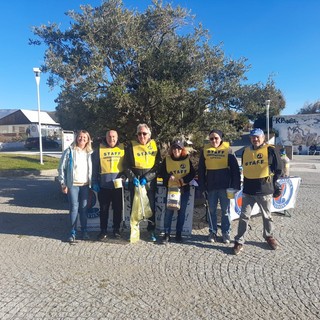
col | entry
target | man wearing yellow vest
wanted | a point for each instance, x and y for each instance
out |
(261, 169)
(142, 165)
(107, 165)
(218, 170)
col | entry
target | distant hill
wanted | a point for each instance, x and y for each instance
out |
(5, 112)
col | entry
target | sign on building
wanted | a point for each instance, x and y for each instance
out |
(299, 131)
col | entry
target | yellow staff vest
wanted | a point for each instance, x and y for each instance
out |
(144, 155)
(255, 163)
(179, 168)
(216, 158)
(111, 159)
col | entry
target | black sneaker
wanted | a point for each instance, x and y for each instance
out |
(85, 235)
(237, 248)
(166, 239)
(212, 237)
(102, 236)
(226, 238)
(116, 234)
(179, 237)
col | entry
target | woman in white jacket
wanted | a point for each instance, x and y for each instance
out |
(75, 170)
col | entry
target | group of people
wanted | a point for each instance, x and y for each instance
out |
(139, 162)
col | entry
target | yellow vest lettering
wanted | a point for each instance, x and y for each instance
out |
(111, 159)
(178, 168)
(255, 163)
(216, 158)
(144, 155)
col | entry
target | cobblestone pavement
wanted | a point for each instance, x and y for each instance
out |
(43, 277)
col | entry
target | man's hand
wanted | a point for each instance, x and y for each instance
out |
(64, 189)
(95, 187)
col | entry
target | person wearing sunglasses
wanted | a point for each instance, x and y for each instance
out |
(218, 170)
(142, 162)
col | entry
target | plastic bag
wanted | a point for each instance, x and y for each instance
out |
(140, 210)
(173, 198)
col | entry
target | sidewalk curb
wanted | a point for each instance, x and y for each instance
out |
(22, 173)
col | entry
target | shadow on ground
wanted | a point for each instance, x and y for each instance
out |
(29, 224)
(31, 193)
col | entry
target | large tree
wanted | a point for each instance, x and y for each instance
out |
(310, 108)
(118, 67)
(256, 105)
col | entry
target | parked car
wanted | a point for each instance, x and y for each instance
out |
(47, 143)
(314, 150)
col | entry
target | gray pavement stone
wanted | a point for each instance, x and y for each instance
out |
(43, 277)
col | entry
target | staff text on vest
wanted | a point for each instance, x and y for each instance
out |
(254, 162)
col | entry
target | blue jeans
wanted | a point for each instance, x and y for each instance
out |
(181, 214)
(213, 197)
(78, 204)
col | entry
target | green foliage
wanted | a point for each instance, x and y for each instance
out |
(310, 108)
(117, 68)
(256, 108)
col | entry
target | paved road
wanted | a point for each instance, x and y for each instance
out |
(43, 277)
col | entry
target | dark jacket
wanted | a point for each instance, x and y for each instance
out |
(149, 174)
(186, 179)
(104, 180)
(221, 178)
(265, 186)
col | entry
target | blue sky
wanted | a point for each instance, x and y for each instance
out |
(278, 37)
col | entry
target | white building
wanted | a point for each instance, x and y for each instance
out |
(25, 123)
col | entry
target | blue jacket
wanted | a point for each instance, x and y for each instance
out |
(66, 166)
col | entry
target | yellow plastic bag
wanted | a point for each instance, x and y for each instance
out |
(140, 210)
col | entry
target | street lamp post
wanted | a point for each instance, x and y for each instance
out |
(37, 74)
(267, 118)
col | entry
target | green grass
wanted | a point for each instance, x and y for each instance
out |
(27, 162)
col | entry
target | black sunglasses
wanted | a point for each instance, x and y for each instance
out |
(142, 133)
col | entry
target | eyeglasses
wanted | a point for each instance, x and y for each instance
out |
(214, 138)
(142, 133)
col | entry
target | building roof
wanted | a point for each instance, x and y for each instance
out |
(23, 116)
(32, 116)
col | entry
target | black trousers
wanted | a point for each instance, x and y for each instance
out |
(106, 197)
